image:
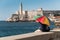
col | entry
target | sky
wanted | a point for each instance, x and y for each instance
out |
(9, 7)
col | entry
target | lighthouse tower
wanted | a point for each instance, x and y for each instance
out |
(21, 12)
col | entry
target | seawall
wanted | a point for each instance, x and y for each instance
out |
(52, 35)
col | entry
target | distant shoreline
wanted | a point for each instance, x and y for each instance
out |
(22, 21)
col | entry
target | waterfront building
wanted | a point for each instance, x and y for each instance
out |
(22, 15)
(29, 15)
(48, 12)
(51, 17)
(9, 19)
(52, 14)
(57, 20)
(25, 16)
(14, 17)
(33, 13)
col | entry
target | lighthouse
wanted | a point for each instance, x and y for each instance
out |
(21, 12)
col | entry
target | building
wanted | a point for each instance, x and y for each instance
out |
(53, 14)
(57, 20)
(25, 15)
(15, 17)
(22, 15)
(48, 12)
(34, 13)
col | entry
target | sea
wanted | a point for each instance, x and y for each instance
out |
(18, 28)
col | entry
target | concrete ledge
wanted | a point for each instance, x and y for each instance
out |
(53, 35)
(30, 36)
(56, 34)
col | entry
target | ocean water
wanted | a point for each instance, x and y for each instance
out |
(15, 28)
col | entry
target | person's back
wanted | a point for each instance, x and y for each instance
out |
(44, 28)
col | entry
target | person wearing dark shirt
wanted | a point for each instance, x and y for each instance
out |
(44, 27)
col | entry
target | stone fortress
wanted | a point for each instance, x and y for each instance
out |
(25, 15)
(22, 15)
